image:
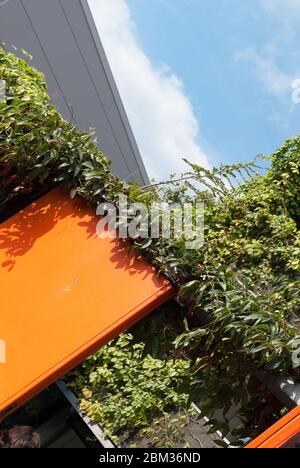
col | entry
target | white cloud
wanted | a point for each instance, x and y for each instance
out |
(276, 62)
(275, 81)
(283, 7)
(160, 112)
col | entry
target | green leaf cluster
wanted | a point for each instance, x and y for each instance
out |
(125, 389)
(240, 291)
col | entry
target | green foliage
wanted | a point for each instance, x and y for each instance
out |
(123, 389)
(38, 148)
(240, 291)
(144, 374)
(246, 278)
(285, 176)
(228, 385)
(168, 431)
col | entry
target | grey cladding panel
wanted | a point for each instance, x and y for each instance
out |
(16, 30)
(61, 36)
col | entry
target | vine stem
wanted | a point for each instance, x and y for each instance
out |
(166, 182)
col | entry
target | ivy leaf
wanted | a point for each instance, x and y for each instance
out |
(146, 244)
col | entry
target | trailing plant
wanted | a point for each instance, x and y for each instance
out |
(126, 391)
(140, 387)
(38, 148)
(240, 291)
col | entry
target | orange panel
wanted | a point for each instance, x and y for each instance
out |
(280, 433)
(64, 293)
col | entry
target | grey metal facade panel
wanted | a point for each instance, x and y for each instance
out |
(62, 37)
(19, 30)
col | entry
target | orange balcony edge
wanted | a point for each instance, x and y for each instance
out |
(280, 433)
(65, 292)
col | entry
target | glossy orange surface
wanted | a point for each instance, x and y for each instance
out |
(281, 434)
(64, 293)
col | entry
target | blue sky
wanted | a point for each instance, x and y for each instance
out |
(223, 72)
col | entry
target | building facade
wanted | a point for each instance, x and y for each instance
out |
(65, 45)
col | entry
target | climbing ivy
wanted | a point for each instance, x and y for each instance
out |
(126, 390)
(240, 291)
